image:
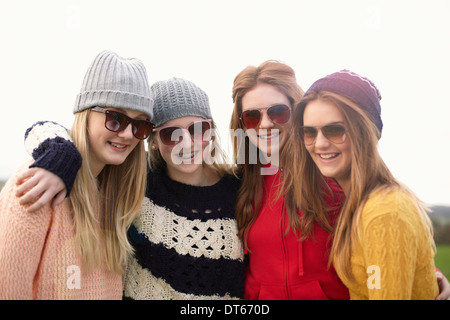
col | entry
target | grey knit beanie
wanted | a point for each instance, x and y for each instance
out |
(113, 81)
(176, 98)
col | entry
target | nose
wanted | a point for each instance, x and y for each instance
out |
(127, 133)
(266, 122)
(186, 140)
(321, 141)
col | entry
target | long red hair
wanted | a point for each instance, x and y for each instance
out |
(282, 77)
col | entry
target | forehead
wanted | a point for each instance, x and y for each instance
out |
(321, 112)
(182, 121)
(263, 95)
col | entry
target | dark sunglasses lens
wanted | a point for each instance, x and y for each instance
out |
(279, 113)
(198, 129)
(169, 137)
(334, 133)
(115, 121)
(141, 129)
(309, 134)
(251, 118)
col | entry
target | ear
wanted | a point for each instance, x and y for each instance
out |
(154, 147)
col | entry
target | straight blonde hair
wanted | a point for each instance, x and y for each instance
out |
(104, 207)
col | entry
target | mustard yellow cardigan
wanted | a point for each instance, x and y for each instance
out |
(394, 258)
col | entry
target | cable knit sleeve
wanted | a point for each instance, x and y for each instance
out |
(390, 245)
(51, 146)
(396, 247)
(22, 238)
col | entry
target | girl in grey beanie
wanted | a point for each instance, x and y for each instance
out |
(185, 236)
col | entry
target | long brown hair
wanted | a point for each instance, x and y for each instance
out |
(368, 174)
(282, 77)
(104, 207)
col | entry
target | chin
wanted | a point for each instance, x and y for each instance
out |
(117, 161)
(188, 168)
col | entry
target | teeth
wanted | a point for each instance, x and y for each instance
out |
(270, 136)
(117, 145)
(188, 156)
(328, 156)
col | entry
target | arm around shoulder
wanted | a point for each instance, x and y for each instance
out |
(52, 149)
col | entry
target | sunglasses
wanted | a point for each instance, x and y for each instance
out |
(116, 122)
(333, 132)
(279, 113)
(172, 135)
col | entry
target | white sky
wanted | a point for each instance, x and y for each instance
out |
(403, 46)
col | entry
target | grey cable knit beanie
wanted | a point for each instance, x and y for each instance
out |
(176, 98)
(113, 81)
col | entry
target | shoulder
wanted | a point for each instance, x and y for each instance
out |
(390, 208)
(388, 201)
(15, 214)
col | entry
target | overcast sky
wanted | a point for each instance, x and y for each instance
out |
(403, 46)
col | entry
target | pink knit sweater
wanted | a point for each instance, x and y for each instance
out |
(38, 257)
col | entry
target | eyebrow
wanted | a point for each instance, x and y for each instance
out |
(141, 116)
(328, 124)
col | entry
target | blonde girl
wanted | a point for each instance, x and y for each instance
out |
(79, 250)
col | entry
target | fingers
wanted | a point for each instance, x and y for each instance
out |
(41, 201)
(58, 199)
(26, 175)
(28, 190)
(37, 187)
(444, 287)
(26, 181)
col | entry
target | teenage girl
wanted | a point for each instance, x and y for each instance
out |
(79, 251)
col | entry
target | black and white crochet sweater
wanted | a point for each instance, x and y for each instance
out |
(185, 237)
(186, 242)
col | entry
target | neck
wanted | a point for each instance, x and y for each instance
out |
(204, 176)
(345, 185)
(96, 168)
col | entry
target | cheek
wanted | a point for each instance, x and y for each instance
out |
(310, 150)
(134, 144)
(165, 152)
(252, 136)
(347, 150)
(96, 128)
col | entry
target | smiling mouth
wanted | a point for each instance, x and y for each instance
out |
(187, 156)
(328, 156)
(119, 146)
(269, 136)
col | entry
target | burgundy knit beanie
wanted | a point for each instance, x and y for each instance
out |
(359, 89)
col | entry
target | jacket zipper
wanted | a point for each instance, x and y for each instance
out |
(285, 262)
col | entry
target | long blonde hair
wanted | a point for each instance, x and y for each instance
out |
(104, 207)
(368, 174)
(248, 203)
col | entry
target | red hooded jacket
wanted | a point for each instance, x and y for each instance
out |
(280, 266)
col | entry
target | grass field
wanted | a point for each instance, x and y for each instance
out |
(442, 259)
